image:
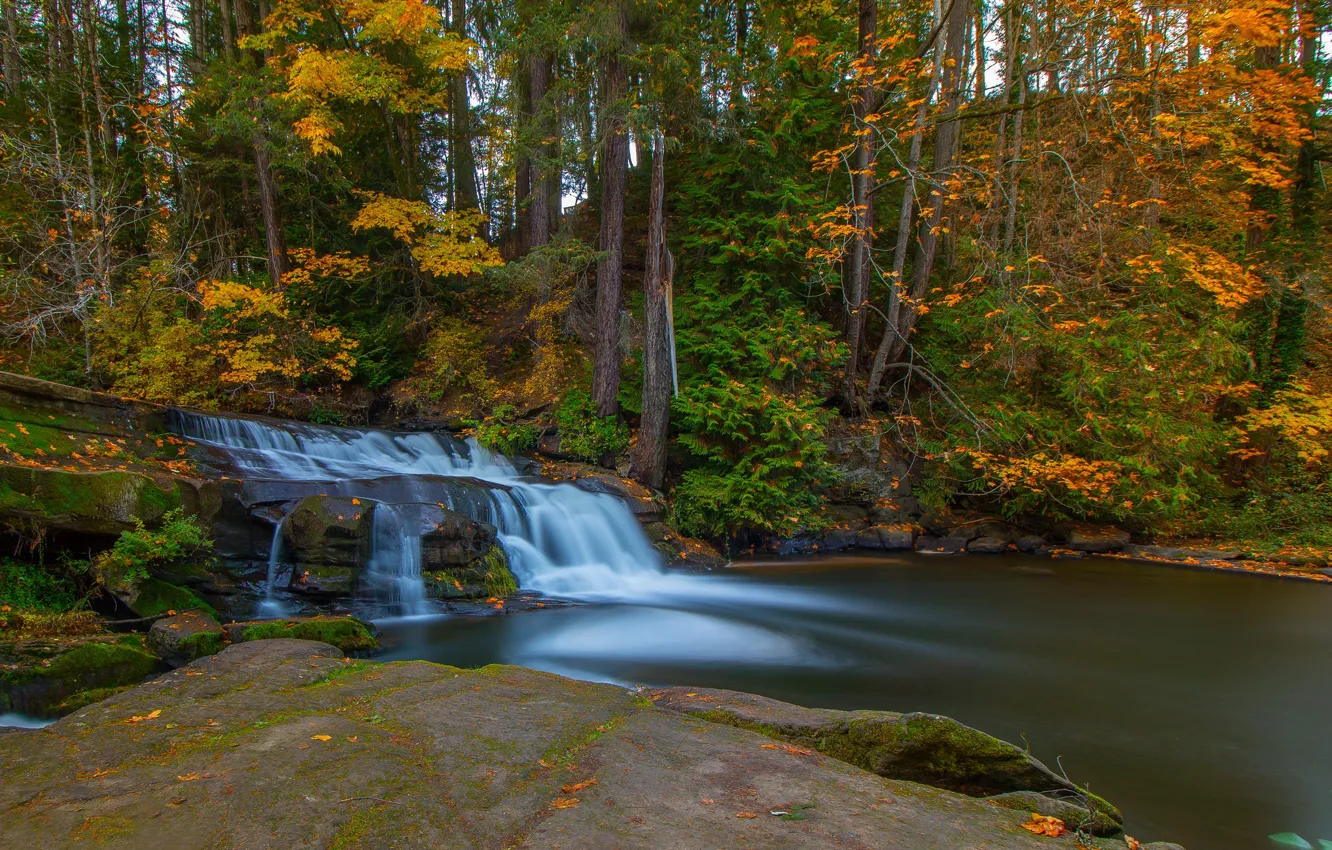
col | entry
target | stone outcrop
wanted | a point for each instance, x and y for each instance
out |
(350, 635)
(1086, 537)
(280, 743)
(184, 638)
(44, 678)
(331, 531)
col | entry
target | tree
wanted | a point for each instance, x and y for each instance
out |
(650, 453)
(615, 138)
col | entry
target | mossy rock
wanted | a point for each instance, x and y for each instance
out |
(185, 637)
(45, 679)
(924, 748)
(104, 503)
(328, 531)
(487, 577)
(1078, 811)
(348, 634)
(151, 597)
(324, 580)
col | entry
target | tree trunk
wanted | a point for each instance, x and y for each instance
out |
(945, 147)
(650, 452)
(275, 240)
(615, 130)
(859, 260)
(538, 206)
(12, 68)
(461, 160)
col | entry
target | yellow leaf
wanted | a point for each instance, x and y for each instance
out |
(321, 737)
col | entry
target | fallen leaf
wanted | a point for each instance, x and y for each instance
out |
(1045, 825)
(565, 802)
(152, 715)
(1133, 843)
(768, 746)
(575, 788)
(746, 815)
(353, 739)
(707, 802)
(321, 737)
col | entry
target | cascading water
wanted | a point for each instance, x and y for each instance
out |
(561, 540)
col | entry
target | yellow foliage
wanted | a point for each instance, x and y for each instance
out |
(1231, 284)
(1298, 416)
(444, 244)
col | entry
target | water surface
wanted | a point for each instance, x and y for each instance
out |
(1198, 702)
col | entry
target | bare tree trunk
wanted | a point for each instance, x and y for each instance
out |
(606, 369)
(650, 452)
(860, 261)
(945, 148)
(461, 159)
(274, 238)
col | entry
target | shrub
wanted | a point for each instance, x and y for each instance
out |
(584, 434)
(500, 432)
(137, 552)
(35, 587)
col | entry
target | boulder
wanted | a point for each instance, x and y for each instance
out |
(683, 552)
(44, 678)
(888, 537)
(988, 545)
(184, 638)
(1076, 811)
(1030, 543)
(925, 748)
(350, 635)
(462, 558)
(941, 545)
(1087, 537)
(328, 531)
(324, 580)
(283, 743)
(104, 503)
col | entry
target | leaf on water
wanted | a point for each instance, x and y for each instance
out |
(575, 788)
(565, 802)
(321, 737)
(1290, 839)
(152, 715)
(1045, 825)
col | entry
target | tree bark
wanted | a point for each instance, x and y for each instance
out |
(650, 452)
(945, 148)
(461, 160)
(859, 260)
(12, 66)
(538, 206)
(274, 238)
(615, 130)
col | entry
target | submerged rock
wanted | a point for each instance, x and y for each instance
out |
(282, 743)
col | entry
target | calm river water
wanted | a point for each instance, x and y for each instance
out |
(1200, 703)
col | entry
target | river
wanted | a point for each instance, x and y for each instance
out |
(1197, 702)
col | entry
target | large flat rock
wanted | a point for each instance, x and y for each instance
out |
(285, 743)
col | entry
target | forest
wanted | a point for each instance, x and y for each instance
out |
(1058, 259)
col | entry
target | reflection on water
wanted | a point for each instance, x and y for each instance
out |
(1197, 702)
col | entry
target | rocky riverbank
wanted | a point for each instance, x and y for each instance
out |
(289, 743)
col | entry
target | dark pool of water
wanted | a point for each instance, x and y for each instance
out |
(1198, 702)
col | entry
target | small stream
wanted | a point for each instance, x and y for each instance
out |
(1197, 702)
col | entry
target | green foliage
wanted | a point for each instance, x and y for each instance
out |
(584, 434)
(36, 587)
(137, 552)
(454, 361)
(501, 432)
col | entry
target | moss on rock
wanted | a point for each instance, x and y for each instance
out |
(348, 634)
(41, 679)
(155, 597)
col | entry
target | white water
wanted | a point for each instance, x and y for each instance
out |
(561, 540)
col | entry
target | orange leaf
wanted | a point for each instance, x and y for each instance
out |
(152, 715)
(1045, 825)
(573, 789)
(565, 802)
(321, 737)
(746, 815)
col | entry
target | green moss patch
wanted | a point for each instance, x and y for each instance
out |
(48, 679)
(157, 597)
(346, 633)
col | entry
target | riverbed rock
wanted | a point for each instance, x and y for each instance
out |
(350, 635)
(925, 748)
(282, 743)
(184, 638)
(331, 531)
(1075, 811)
(1172, 553)
(888, 537)
(941, 545)
(1087, 537)
(44, 678)
(682, 552)
(1030, 543)
(988, 545)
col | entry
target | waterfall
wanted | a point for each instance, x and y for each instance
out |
(271, 606)
(561, 540)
